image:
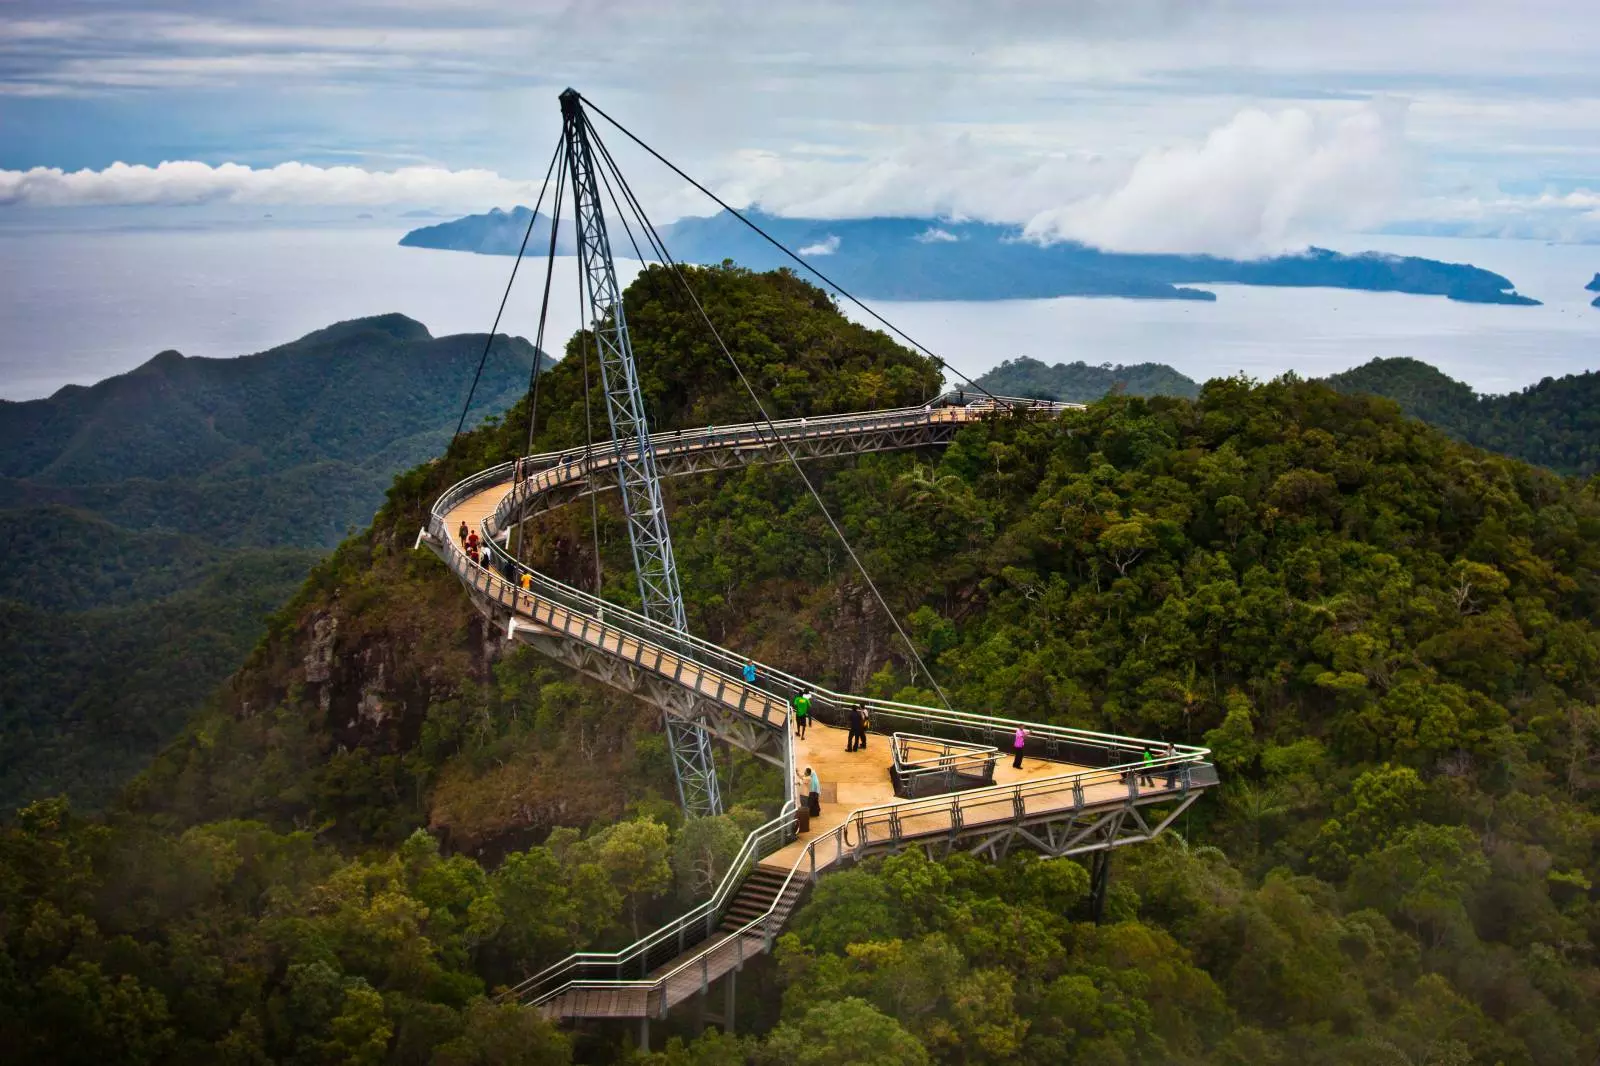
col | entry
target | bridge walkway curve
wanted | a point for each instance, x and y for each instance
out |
(1077, 790)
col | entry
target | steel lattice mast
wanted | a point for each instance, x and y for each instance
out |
(659, 593)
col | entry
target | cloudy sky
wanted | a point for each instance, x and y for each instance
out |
(1236, 126)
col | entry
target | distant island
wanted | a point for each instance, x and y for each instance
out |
(494, 233)
(938, 259)
(1594, 284)
(1081, 383)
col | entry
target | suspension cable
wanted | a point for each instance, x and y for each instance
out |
(785, 250)
(621, 215)
(588, 423)
(538, 348)
(646, 226)
(544, 302)
(493, 330)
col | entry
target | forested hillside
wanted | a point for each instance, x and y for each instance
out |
(1081, 383)
(1555, 423)
(1385, 635)
(154, 520)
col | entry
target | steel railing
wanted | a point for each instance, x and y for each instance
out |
(657, 647)
(924, 765)
(883, 827)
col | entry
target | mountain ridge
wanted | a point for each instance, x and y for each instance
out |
(163, 513)
(1550, 423)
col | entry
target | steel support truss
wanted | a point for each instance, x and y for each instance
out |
(679, 704)
(659, 593)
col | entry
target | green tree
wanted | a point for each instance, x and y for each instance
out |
(504, 1035)
(634, 855)
(847, 1030)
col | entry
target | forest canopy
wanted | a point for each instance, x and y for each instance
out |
(1386, 636)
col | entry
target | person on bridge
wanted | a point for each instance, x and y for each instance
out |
(857, 740)
(1171, 755)
(526, 582)
(1019, 741)
(814, 785)
(802, 714)
(1146, 775)
(749, 673)
(463, 533)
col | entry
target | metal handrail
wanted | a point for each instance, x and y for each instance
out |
(722, 661)
(1016, 794)
(532, 476)
(709, 911)
(944, 756)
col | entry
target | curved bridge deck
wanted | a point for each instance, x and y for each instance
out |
(1077, 791)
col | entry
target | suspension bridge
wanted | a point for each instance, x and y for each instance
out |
(931, 777)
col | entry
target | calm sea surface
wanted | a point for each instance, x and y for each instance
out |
(78, 307)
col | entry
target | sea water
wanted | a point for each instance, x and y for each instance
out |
(1262, 332)
(81, 306)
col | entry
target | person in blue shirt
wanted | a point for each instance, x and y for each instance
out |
(749, 673)
(814, 787)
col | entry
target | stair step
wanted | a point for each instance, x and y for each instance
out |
(770, 884)
(764, 891)
(765, 895)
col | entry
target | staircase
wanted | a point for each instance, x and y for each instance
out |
(756, 895)
(690, 972)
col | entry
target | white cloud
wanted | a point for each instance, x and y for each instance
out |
(1572, 216)
(184, 183)
(934, 235)
(1259, 184)
(1002, 174)
(823, 247)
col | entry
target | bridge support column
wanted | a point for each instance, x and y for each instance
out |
(694, 765)
(1099, 883)
(644, 1034)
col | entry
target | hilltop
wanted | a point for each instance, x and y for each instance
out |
(1555, 423)
(1081, 383)
(1552, 424)
(941, 259)
(156, 518)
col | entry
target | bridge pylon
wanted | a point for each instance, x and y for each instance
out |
(660, 595)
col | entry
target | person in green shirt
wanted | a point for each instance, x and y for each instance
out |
(802, 714)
